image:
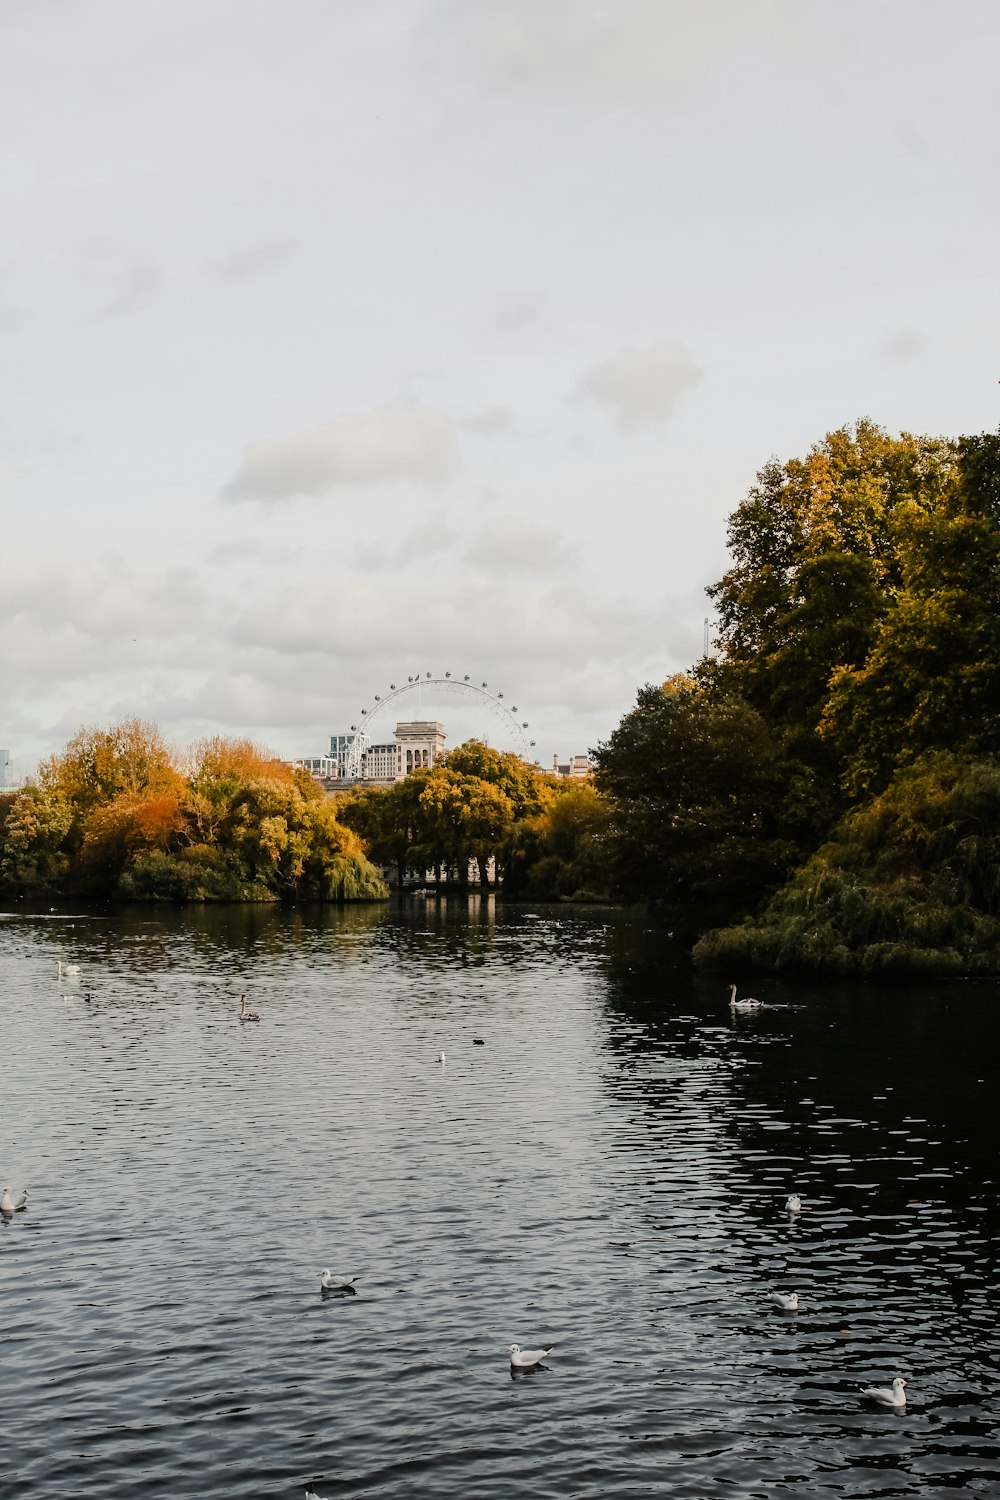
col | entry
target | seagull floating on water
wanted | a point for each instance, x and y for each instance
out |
(7, 1204)
(247, 1015)
(793, 1204)
(894, 1395)
(526, 1359)
(330, 1283)
(69, 970)
(747, 1003)
(787, 1301)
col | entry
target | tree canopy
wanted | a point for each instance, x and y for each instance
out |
(120, 814)
(858, 643)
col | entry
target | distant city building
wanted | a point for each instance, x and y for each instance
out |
(6, 773)
(579, 765)
(417, 744)
(340, 749)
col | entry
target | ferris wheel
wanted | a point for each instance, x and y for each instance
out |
(422, 683)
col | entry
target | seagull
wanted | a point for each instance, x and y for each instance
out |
(793, 1204)
(247, 1015)
(330, 1283)
(747, 1003)
(70, 970)
(7, 1204)
(526, 1359)
(787, 1301)
(893, 1395)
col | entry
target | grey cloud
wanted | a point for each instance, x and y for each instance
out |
(134, 287)
(643, 386)
(254, 260)
(511, 548)
(376, 447)
(903, 344)
(493, 419)
(434, 535)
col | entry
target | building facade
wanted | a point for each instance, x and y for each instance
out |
(417, 745)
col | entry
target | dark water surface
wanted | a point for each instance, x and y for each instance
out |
(607, 1173)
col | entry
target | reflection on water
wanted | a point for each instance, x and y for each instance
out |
(606, 1173)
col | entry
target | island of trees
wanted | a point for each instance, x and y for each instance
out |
(821, 792)
(824, 792)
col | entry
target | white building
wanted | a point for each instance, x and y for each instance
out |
(417, 745)
(579, 765)
(6, 772)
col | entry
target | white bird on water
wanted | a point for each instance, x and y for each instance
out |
(7, 1204)
(787, 1301)
(441, 1057)
(894, 1395)
(793, 1204)
(747, 1003)
(247, 1015)
(70, 971)
(526, 1359)
(330, 1283)
(311, 1494)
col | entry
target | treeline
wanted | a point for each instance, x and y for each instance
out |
(484, 814)
(824, 791)
(119, 814)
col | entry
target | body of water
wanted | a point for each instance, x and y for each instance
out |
(601, 1164)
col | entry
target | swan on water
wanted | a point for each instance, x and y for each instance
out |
(527, 1359)
(747, 1003)
(894, 1395)
(247, 1015)
(787, 1301)
(7, 1204)
(441, 1057)
(311, 1494)
(793, 1204)
(69, 970)
(330, 1283)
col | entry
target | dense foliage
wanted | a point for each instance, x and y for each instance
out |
(117, 815)
(857, 672)
(488, 812)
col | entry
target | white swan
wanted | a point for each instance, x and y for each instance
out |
(793, 1204)
(330, 1283)
(247, 1015)
(787, 1301)
(441, 1057)
(527, 1359)
(7, 1204)
(747, 1003)
(70, 970)
(894, 1395)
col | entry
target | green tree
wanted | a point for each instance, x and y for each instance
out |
(693, 779)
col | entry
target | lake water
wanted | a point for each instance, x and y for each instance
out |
(606, 1173)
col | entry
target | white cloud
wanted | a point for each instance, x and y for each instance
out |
(376, 447)
(643, 385)
(639, 51)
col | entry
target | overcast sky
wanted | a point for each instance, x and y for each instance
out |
(344, 341)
